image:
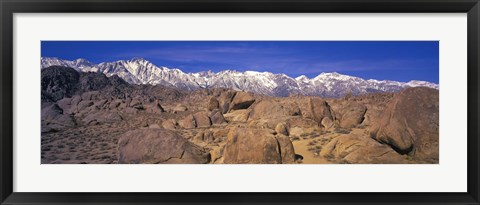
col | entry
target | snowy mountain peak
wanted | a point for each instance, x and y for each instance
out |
(139, 61)
(78, 64)
(229, 72)
(417, 83)
(302, 78)
(333, 75)
(141, 71)
(257, 73)
(204, 73)
(82, 60)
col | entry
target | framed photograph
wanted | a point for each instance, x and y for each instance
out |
(242, 102)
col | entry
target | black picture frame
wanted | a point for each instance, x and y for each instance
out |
(10, 7)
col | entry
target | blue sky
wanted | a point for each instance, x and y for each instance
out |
(382, 60)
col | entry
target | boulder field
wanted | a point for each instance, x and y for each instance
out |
(88, 118)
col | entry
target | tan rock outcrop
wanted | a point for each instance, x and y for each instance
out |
(281, 128)
(169, 124)
(237, 116)
(155, 107)
(225, 99)
(352, 114)
(274, 109)
(257, 146)
(360, 149)
(212, 104)
(202, 119)
(242, 100)
(188, 122)
(410, 123)
(217, 118)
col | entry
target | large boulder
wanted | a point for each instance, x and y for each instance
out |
(216, 154)
(376, 104)
(274, 109)
(202, 119)
(76, 99)
(217, 117)
(301, 126)
(237, 116)
(213, 104)
(169, 124)
(179, 108)
(291, 126)
(53, 118)
(327, 123)
(221, 134)
(188, 122)
(282, 128)
(352, 114)
(316, 109)
(242, 100)
(66, 105)
(158, 146)
(320, 109)
(155, 107)
(359, 149)
(204, 137)
(225, 99)
(410, 123)
(50, 111)
(257, 146)
(287, 151)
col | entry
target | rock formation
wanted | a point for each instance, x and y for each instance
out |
(257, 146)
(92, 118)
(410, 123)
(158, 146)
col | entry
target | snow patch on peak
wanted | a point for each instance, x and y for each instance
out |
(82, 60)
(228, 71)
(333, 75)
(302, 78)
(203, 73)
(249, 72)
(418, 83)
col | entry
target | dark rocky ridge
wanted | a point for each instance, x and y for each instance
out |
(64, 82)
(58, 82)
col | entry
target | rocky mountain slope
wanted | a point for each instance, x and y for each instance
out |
(141, 71)
(63, 82)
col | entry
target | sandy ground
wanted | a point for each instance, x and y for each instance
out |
(309, 148)
(309, 157)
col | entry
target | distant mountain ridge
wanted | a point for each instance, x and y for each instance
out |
(141, 71)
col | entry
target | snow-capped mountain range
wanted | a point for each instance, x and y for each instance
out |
(141, 71)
